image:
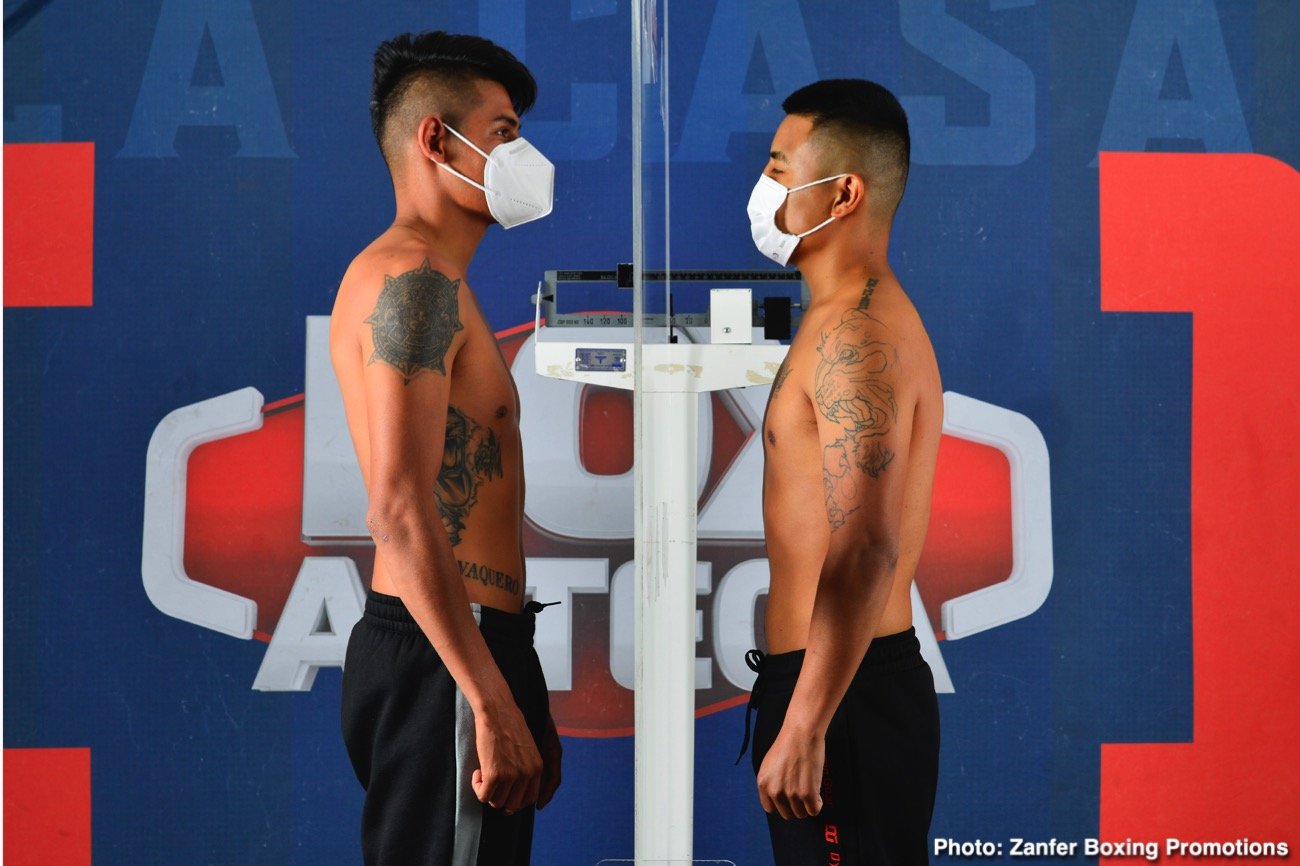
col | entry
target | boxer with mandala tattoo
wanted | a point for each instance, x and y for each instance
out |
(847, 733)
(445, 712)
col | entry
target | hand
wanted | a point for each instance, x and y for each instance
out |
(551, 754)
(790, 777)
(510, 768)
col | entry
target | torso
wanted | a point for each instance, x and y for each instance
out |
(794, 512)
(480, 489)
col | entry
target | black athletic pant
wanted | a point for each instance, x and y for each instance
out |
(882, 759)
(410, 734)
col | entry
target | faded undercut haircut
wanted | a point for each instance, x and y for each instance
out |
(435, 73)
(859, 126)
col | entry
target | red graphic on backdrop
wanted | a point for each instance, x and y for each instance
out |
(1219, 235)
(243, 534)
(49, 198)
(47, 807)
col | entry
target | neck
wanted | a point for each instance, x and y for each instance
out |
(848, 261)
(442, 224)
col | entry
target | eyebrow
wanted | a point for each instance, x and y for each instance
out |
(779, 156)
(508, 119)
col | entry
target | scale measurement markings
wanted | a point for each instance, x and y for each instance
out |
(623, 320)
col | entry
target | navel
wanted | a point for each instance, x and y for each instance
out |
(501, 411)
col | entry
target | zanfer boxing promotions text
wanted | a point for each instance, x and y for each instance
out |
(1150, 850)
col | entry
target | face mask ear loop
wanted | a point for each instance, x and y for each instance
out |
(472, 183)
(471, 144)
(811, 183)
(828, 220)
(822, 225)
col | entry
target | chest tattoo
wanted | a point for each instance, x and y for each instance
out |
(471, 456)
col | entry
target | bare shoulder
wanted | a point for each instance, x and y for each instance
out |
(399, 305)
(873, 362)
(882, 327)
(386, 263)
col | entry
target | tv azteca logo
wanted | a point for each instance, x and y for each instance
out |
(254, 527)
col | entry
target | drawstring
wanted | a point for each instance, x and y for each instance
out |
(537, 606)
(754, 658)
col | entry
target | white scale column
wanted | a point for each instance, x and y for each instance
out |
(673, 375)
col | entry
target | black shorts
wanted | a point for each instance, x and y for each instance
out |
(409, 732)
(882, 759)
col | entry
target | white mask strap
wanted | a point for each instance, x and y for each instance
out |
(828, 220)
(820, 225)
(472, 183)
(485, 156)
(806, 185)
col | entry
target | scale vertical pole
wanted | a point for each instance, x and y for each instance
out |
(656, 824)
(668, 394)
(665, 616)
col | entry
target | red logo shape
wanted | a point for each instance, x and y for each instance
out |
(49, 236)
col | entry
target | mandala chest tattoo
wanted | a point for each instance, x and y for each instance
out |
(414, 321)
(471, 456)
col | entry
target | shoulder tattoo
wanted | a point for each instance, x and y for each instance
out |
(414, 321)
(853, 391)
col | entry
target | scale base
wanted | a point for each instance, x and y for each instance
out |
(653, 862)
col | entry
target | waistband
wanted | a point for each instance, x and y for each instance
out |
(899, 651)
(883, 652)
(390, 612)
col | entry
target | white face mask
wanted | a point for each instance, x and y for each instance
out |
(517, 180)
(764, 202)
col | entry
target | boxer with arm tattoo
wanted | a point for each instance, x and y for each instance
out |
(846, 735)
(445, 711)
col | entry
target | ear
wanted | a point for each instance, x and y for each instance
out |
(431, 136)
(851, 193)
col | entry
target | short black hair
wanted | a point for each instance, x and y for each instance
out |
(449, 59)
(866, 125)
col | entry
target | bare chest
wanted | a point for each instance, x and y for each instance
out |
(481, 385)
(789, 425)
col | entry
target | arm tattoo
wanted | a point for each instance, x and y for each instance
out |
(853, 391)
(415, 319)
(781, 375)
(471, 455)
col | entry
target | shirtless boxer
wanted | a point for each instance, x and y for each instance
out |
(846, 737)
(444, 710)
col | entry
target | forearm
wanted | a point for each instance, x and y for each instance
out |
(852, 593)
(417, 555)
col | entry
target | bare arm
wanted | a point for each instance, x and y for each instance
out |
(411, 346)
(864, 439)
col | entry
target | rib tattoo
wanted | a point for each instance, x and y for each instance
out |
(471, 456)
(852, 390)
(414, 321)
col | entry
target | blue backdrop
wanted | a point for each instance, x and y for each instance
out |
(235, 178)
